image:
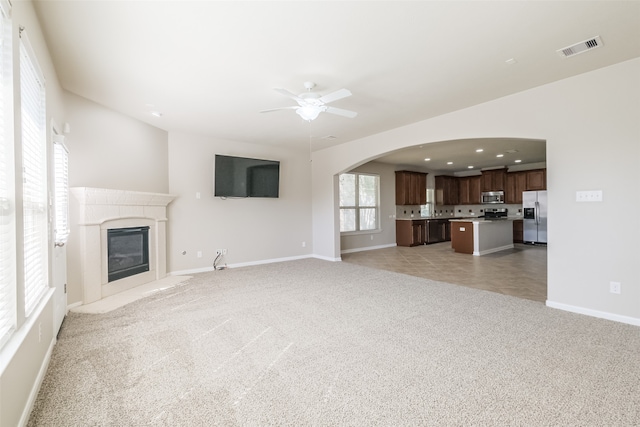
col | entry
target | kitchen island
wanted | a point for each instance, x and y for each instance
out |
(481, 236)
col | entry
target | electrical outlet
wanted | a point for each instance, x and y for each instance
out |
(224, 251)
(304, 244)
(39, 332)
(218, 251)
(615, 287)
(199, 254)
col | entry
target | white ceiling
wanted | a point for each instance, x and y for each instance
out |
(211, 66)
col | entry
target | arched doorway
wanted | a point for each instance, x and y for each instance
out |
(520, 271)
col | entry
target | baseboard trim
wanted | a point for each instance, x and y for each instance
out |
(73, 305)
(490, 251)
(326, 258)
(268, 261)
(241, 264)
(368, 248)
(594, 313)
(33, 395)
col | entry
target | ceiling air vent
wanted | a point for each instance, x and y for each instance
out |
(581, 47)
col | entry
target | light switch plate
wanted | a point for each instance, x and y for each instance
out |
(589, 196)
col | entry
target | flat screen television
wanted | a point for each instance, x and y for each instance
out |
(245, 177)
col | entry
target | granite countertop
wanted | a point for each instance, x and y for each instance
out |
(475, 219)
(461, 219)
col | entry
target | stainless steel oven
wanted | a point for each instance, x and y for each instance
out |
(490, 197)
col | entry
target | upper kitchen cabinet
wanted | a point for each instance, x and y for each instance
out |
(411, 188)
(446, 190)
(469, 190)
(536, 179)
(516, 183)
(494, 180)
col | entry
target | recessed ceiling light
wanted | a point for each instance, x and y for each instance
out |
(511, 61)
(449, 163)
(469, 167)
(427, 159)
(500, 155)
(156, 113)
(517, 161)
(479, 150)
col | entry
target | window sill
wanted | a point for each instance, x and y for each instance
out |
(357, 233)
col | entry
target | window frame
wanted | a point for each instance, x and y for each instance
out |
(35, 213)
(357, 207)
(61, 228)
(8, 279)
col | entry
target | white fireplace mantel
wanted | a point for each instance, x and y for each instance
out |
(101, 209)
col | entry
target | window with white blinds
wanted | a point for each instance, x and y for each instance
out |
(34, 164)
(7, 237)
(61, 182)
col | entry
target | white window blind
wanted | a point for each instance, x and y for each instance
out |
(34, 166)
(61, 179)
(359, 202)
(7, 238)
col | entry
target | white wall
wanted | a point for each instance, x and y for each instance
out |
(251, 229)
(110, 150)
(591, 126)
(24, 358)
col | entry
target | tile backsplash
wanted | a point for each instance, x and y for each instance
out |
(445, 211)
(412, 211)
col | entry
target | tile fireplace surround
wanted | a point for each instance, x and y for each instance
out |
(100, 209)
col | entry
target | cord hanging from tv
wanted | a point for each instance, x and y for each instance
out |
(241, 177)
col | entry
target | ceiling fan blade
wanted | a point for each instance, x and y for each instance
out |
(341, 112)
(334, 96)
(289, 94)
(280, 108)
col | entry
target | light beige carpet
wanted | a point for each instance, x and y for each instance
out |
(314, 343)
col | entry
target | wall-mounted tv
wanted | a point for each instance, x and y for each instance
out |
(245, 177)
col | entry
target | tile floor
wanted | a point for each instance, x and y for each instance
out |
(519, 272)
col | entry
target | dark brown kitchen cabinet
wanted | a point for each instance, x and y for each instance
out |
(462, 237)
(494, 180)
(516, 183)
(536, 179)
(446, 190)
(469, 190)
(518, 230)
(411, 188)
(438, 230)
(410, 232)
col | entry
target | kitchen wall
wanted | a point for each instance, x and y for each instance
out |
(253, 230)
(584, 119)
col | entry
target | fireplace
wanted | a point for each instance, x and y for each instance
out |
(128, 252)
(118, 241)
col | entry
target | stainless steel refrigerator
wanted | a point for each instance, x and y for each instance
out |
(534, 205)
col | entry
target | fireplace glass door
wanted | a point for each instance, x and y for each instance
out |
(128, 250)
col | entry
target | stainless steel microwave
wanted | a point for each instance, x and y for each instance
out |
(490, 197)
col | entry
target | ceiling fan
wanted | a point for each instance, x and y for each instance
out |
(311, 104)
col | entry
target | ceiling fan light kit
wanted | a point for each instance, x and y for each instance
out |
(311, 104)
(309, 112)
